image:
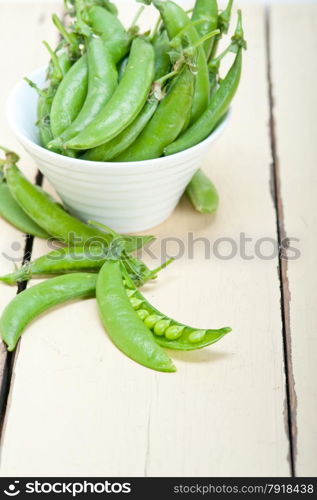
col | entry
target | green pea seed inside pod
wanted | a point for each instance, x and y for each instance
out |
(197, 336)
(136, 303)
(142, 313)
(166, 331)
(151, 320)
(123, 324)
(174, 332)
(161, 326)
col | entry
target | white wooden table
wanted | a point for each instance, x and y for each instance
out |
(244, 407)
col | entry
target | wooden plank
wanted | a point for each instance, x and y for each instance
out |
(294, 72)
(98, 413)
(20, 53)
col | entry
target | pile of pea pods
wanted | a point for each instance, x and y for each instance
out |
(119, 95)
(115, 94)
(91, 261)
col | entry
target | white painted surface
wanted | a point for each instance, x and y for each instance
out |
(20, 51)
(79, 407)
(294, 68)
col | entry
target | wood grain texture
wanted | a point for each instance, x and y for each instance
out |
(294, 70)
(21, 29)
(88, 410)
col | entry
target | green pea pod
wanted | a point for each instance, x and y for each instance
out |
(69, 97)
(108, 26)
(213, 82)
(217, 108)
(162, 60)
(122, 66)
(74, 260)
(13, 213)
(123, 325)
(206, 10)
(168, 332)
(33, 301)
(44, 105)
(126, 102)
(121, 142)
(167, 122)
(54, 76)
(54, 220)
(110, 6)
(175, 20)
(102, 81)
(203, 193)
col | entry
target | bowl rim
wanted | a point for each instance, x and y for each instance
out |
(72, 162)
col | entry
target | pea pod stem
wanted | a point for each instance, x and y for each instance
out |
(34, 86)
(215, 63)
(72, 39)
(225, 16)
(187, 27)
(155, 271)
(202, 40)
(156, 28)
(55, 62)
(166, 77)
(137, 17)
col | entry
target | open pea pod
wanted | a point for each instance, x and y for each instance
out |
(168, 332)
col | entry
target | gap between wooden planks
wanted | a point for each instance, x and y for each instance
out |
(79, 407)
(294, 71)
(22, 27)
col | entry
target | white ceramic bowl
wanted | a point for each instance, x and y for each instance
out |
(128, 197)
